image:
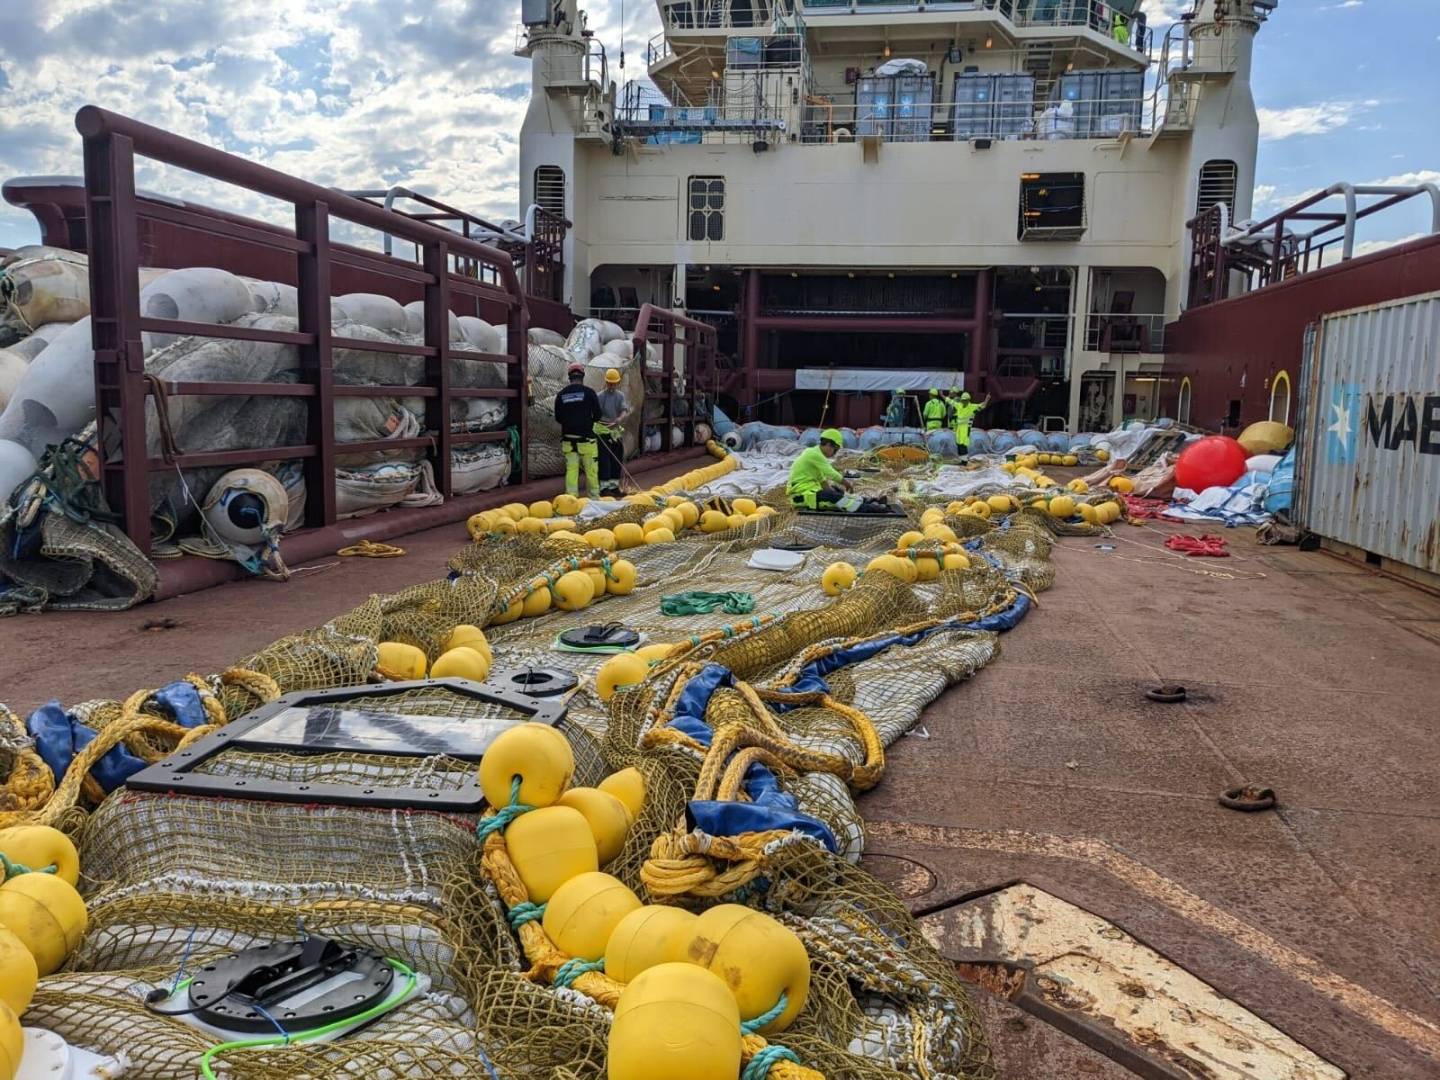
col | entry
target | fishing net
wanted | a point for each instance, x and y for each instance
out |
(812, 686)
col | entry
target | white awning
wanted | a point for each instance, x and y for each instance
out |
(884, 380)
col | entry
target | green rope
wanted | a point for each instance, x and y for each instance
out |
(703, 603)
(573, 968)
(761, 1064)
(750, 1027)
(14, 869)
(525, 912)
(505, 814)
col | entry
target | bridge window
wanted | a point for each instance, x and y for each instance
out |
(707, 208)
(1280, 398)
(550, 188)
(1217, 185)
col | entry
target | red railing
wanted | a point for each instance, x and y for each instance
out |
(111, 145)
(698, 340)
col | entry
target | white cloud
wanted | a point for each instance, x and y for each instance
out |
(1332, 254)
(1163, 12)
(1409, 179)
(1317, 119)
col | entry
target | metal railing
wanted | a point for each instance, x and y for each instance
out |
(724, 14)
(827, 121)
(114, 213)
(1298, 240)
(1112, 332)
(696, 341)
(1093, 14)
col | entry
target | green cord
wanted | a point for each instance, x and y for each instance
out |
(14, 869)
(703, 603)
(412, 980)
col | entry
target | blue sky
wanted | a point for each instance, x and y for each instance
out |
(426, 92)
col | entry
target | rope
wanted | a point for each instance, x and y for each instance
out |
(501, 819)
(525, 912)
(703, 603)
(369, 549)
(750, 1027)
(169, 448)
(761, 1064)
(14, 869)
(573, 968)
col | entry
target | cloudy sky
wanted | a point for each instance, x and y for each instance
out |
(426, 93)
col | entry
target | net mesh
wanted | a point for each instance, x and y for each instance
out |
(172, 880)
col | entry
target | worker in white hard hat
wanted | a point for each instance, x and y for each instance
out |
(577, 409)
(610, 431)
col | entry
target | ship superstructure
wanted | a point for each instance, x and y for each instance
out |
(869, 196)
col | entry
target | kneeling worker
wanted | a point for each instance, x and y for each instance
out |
(578, 409)
(814, 483)
(610, 430)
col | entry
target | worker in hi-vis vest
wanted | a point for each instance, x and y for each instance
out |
(934, 411)
(577, 408)
(814, 483)
(965, 411)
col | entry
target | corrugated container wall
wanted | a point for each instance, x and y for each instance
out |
(1370, 456)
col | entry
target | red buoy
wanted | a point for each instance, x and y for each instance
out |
(1214, 461)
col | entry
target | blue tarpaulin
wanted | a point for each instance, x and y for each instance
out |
(59, 736)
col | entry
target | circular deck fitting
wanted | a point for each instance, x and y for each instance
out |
(1248, 798)
(1167, 694)
(909, 879)
(536, 681)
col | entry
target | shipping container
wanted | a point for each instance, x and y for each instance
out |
(895, 107)
(1369, 453)
(1103, 103)
(993, 106)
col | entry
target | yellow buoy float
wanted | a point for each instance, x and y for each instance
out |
(584, 912)
(659, 536)
(471, 637)
(12, 1042)
(399, 661)
(18, 973)
(538, 602)
(651, 935)
(628, 535)
(46, 914)
(604, 539)
(550, 846)
(536, 753)
(608, 817)
(622, 669)
(838, 577)
(627, 785)
(760, 959)
(40, 846)
(461, 663)
(573, 590)
(620, 580)
(674, 1020)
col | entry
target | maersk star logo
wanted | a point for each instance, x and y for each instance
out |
(1343, 429)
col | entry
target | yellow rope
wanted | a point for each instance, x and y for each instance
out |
(370, 549)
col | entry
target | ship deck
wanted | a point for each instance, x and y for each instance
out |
(1306, 673)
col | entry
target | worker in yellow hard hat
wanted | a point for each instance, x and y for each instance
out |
(934, 411)
(814, 483)
(610, 432)
(1120, 29)
(964, 416)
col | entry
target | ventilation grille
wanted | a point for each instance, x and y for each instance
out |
(550, 189)
(1217, 185)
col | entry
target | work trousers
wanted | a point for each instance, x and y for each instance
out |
(577, 451)
(612, 453)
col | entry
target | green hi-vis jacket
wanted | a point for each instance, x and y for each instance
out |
(811, 471)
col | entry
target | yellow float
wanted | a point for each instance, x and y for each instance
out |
(573, 590)
(627, 785)
(536, 753)
(40, 846)
(603, 539)
(471, 637)
(674, 1020)
(629, 535)
(399, 661)
(838, 577)
(620, 580)
(622, 669)
(651, 935)
(585, 910)
(18, 973)
(550, 846)
(760, 960)
(538, 602)
(659, 536)
(461, 663)
(46, 914)
(608, 817)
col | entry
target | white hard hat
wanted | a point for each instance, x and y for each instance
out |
(246, 506)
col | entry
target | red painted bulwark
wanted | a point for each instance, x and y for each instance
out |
(1232, 350)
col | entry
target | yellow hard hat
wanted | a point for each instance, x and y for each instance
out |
(612, 376)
